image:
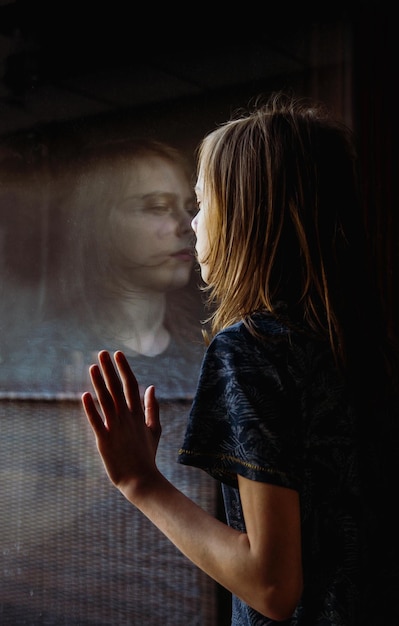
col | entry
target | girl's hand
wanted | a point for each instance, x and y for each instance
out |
(128, 434)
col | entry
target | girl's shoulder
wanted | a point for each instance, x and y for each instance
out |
(262, 323)
(260, 329)
(264, 341)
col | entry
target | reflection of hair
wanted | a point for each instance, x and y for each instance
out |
(23, 196)
(285, 223)
(89, 189)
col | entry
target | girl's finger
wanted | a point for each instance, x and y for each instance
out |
(93, 416)
(151, 407)
(103, 395)
(112, 381)
(129, 382)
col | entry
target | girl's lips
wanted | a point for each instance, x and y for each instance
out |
(183, 255)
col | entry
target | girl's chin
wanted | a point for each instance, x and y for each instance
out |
(204, 273)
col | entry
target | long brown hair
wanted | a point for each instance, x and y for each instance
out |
(285, 223)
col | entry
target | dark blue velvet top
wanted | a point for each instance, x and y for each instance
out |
(274, 409)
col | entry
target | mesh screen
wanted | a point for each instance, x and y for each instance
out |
(73, 550)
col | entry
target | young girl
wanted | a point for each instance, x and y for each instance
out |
(294, 407)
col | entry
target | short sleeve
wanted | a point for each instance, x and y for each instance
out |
(245, 418)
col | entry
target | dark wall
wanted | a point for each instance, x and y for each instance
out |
(376, 122)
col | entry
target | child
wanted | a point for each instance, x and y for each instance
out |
(295, 397)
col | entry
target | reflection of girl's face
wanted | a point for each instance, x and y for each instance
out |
(151, 226)
(199, 227)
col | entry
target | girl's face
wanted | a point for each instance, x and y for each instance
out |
(151, 226)
(199, 227)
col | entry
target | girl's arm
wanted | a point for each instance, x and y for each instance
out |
(262, 566)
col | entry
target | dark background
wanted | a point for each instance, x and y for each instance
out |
(70, 70)
(176, 71)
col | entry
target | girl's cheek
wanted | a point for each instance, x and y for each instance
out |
(165, 228)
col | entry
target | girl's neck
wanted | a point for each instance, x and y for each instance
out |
(137, 324)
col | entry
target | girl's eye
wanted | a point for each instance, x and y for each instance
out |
(137, 205)
(160, 209)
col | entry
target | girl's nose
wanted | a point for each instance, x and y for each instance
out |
(183, 220)
(194, 222)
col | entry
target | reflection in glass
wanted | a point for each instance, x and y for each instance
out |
(96, 252)
(106, 262)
